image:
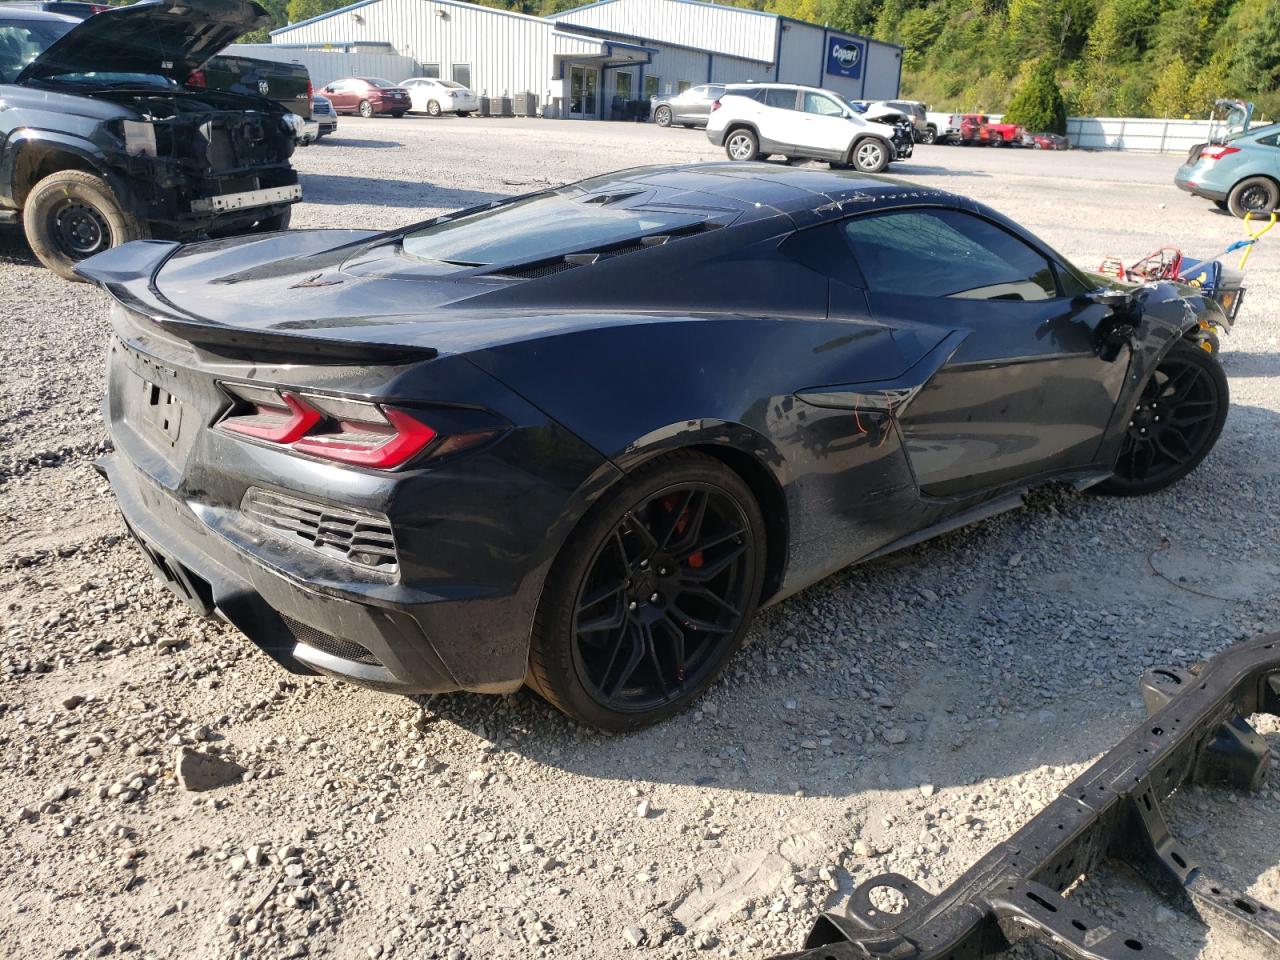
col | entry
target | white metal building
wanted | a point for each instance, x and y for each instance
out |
(583, 63)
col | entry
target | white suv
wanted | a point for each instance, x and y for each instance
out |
(757, 120)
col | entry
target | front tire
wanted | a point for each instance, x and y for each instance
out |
(366, 109)
(869, 156)
(72, 215)
(929, 136)
(742, 144)
(651, 596)
(662, 116)
(433, 109)
(1256, 195)
(1177, 420)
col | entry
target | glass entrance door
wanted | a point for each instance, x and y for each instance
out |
(584, 83)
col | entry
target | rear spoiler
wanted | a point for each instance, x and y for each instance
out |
(127, 273)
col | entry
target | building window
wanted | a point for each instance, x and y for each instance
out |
(683, 85)
(652, 86)
(431, 70)
(622, 85)
(461, 73)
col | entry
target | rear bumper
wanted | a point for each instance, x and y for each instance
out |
(716, 136)
(304, 629)
(1183, 182)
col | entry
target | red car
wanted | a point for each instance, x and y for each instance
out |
(978, 128)
(1050, 141)
(368, 96)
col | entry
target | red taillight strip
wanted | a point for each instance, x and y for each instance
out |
(1217, 152)
(410, 438)
(302, 418)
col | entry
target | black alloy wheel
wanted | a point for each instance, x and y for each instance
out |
(652, 597)
(1178, 419)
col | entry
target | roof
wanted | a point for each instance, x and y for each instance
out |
(815, 193)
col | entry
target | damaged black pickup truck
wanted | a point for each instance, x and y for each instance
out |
(102, 142)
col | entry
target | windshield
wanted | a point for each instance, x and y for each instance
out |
(21, 41)
(544, 225)
(379, 82)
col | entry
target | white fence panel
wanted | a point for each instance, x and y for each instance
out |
(1136, 133)
(325, 66)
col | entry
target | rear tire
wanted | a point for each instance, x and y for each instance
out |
(72, 215)
(742, 144)
(930, 136)
(464, 113)
(1256, 195)
(1176, 422)
(684, 529)
(365, 109)
(433, 108)
(662, 116)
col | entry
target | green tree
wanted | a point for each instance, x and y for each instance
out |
(1037, 102)
(1255, 68)
(1172, 95)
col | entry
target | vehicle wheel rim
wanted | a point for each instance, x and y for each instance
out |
(1256, 199)
(869, 156)
(664, 116)
(366, 110)
(1173, 422)
(433, 108)
(740, 147)
(663, 597)
(80, 230)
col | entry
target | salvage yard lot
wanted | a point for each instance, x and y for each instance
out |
(904, 715)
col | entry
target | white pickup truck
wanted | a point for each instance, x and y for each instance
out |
(942, 127)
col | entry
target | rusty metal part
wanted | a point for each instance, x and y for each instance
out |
(1197, 732)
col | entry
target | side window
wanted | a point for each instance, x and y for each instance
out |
(823, 106)
(697, 93)
(783, 99)
(1272, 141)
(945, 253)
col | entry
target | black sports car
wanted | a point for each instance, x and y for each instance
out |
(574, 439)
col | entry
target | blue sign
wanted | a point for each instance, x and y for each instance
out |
(844, 57)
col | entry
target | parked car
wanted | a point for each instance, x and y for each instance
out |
(941, 127)
(100, 145)
(759, 120)
(1046, 141)
(1241, 175)
(324, 115)
(982, 130)
(489, 449)
(690, 108)
(288, 84)
(434, 96)
(368, 96)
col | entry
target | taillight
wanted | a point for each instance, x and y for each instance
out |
(1217, 151)
(382, 439)
(272, 416)
(311, 91)
(715, 105)
(355, 432)
(197, 79)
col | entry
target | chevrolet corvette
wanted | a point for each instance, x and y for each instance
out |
(575, 439)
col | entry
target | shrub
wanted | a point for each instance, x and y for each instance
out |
(1037, 104)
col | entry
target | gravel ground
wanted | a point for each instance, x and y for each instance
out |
(904, 715)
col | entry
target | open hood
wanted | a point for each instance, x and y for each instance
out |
(167, 37)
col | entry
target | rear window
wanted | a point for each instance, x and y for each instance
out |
(785, 99)
(537, 227)
(379, 82)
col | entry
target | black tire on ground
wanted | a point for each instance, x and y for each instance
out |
(929, 136)
(742, 144)
(433, 108)
(71, 215)
(662, 116)
(464, 113)
(1256, 195)
(869, 155)
(397, 114)
(1221, 204)
(684, 529)
(1177, 420)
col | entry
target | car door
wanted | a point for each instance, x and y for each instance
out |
(699, 106)
(342, 95)
(683, 105)
(780, 121)
(825, 131)
(1033, 382)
